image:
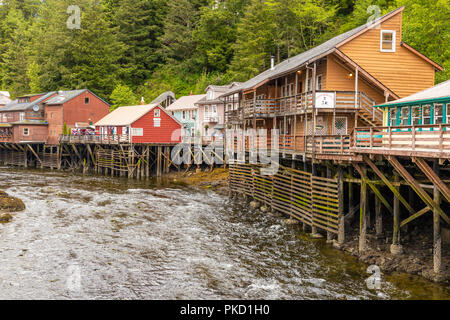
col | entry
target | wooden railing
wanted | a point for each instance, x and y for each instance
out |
(422, 140)
(204, 140)
(232, 116)
(6, 138)
(101, 139)
(329, 144)
(299, 103)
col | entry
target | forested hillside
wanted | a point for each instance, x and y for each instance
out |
(125, 49)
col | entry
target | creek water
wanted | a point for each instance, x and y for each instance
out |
(94, 237)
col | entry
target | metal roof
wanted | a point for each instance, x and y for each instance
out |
(293, 63)
(163, 96)
(125, 116)
(439, 91)
(64, 96)
(185, 103)
(16, 106)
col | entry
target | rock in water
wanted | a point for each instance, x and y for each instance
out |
(5, 218)
(10, 204)
(254, 204)
(291, 221)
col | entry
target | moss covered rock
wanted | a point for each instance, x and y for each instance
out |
(10, 204)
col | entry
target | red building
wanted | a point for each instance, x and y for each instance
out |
(40, 118)
(141, 124)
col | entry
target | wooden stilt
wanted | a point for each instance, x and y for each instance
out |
(437, 241)
(341, 217)
(378, 218)
(362, 214)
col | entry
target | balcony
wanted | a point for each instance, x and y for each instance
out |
(211, 117)
(302, 102)
(6, 138)
(432, 141)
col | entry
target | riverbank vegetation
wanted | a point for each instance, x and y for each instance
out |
(125, 49)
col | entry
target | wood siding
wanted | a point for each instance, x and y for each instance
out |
(401, 71)
(168, 132)
(338, 79)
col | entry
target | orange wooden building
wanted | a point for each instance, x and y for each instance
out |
(332, 88)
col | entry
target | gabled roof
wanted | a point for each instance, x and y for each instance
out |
(185, 103)
(440, 91)
(163, 96)
(16, 106)
(125, 116)
(64, 96)
(322, 50)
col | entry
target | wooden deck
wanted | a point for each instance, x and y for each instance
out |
(299, 104)
(429, 141)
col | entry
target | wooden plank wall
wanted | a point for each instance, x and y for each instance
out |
(312, 200)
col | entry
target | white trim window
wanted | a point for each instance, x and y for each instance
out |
(426, 114)
(157, 113)
(387, 41)
(184, 115)
(319, 82)
(448, 113)
(416, 115)
(26, 131)
(210, 95)
(438, 113)
(393, 117)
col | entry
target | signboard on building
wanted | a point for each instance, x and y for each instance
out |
(325, 100)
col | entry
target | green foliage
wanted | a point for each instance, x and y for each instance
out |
(121, 96)
(65, 129)
(131, 48)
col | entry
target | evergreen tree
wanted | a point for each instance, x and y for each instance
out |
(121, 96)
(75, 58)
(253, 44)
(140, 25)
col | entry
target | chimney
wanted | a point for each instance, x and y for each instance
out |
(272, 62)
(142, 101)
(192, 93)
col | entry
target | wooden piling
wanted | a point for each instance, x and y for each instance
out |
(362, 214)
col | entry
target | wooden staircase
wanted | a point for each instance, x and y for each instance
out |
(370, 116)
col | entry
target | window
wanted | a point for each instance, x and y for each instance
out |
(26, 131)
(438, 113)
(86, 100)
(22, 116)
(157, 113)
(137, 132)
(156, 122)
(416, 115)
(207, 109)
(214, 108)
(210, 95)
(448, 113)
(319, 82)
(404, 116)
(184, 115)
(387, 41)
(393, 117)
(426, 114)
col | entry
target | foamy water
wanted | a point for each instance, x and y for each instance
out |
(102, 238)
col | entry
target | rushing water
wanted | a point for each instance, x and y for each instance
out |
(97, 238)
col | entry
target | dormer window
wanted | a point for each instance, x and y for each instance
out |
(210, 95)
(387, 41)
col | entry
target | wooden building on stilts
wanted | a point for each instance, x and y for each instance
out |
(337, 159)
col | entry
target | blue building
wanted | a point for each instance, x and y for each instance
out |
(185, 111)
